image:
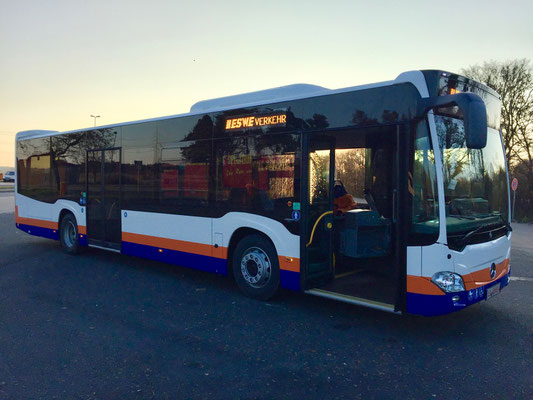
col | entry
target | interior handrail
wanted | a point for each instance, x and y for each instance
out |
(314, 227)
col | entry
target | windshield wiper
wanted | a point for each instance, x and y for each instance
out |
(467, 236)
(500, 217)
(506, 223)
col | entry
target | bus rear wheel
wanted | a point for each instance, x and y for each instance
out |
(68, 234)
(256, 267)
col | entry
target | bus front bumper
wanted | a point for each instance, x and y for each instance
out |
(432, 305)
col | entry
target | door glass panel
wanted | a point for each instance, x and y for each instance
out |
(95, 212)
(112, 195)
(103, 196)
(319, 163)
(319, 240)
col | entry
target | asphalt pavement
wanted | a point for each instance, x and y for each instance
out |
(7, 202)
(103, 326)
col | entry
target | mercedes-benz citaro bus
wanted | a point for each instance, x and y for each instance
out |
(392, 195)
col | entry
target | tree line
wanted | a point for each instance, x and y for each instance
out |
(513, 80)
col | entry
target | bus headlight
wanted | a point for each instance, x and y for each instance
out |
(450, 282)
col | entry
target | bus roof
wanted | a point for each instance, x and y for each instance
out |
(261, 97)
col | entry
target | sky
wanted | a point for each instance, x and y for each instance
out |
(61, 61)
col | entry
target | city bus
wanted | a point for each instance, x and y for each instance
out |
(392, 195)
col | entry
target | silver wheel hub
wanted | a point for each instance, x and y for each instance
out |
(256, 268)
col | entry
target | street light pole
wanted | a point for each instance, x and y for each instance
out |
(95, 116)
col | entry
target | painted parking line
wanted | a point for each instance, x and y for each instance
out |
(520, 278)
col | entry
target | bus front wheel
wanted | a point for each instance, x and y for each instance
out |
(256, 267)
(68, 234)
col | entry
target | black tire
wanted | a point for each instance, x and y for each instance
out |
(68, 234)
(256, 267)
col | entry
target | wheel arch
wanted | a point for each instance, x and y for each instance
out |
(62, 207)
(237, 236)
(62, 213)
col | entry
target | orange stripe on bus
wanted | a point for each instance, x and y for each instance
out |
(289, 263)
(35, 222)
(171, 244)
(220, 252)
(422, 285)
(482, 277)
(285, 263)
(82, 230)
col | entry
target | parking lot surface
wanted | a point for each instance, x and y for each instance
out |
(103, 325)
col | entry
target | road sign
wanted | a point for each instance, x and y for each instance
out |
(514, 184)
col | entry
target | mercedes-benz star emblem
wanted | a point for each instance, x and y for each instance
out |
(492, 271)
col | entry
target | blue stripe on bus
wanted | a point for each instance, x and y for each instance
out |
(430, 305)
(289, 279)
(47, 233)
(38, 231)
(181, 258)
(82, 240)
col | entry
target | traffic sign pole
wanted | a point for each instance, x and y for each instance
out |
(514, 201)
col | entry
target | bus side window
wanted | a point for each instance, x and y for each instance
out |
(255, 175)
(380, 184)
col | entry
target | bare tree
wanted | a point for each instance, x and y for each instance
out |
(513, 80)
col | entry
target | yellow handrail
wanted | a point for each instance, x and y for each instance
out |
(314, 227)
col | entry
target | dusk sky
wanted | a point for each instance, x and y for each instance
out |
(62, 61)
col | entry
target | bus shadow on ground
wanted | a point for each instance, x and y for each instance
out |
(471, 322)
(97, 265)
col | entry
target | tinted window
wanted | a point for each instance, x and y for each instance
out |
(475, 183)
(103, 138)
(184, 129)
(378, 158)
(425, 212)
(68, 165)
(35, 177)
(184, 177)
(371, 107)
(258, 174)
(139, 168)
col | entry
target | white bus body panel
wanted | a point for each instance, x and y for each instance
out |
(202, 243)
(38, 210)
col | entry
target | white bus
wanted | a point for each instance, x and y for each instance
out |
(392, 195)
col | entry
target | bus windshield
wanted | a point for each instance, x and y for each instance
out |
(475, 182)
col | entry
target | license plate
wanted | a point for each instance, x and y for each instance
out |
(493, 291)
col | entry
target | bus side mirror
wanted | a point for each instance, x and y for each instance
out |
(473, 110)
